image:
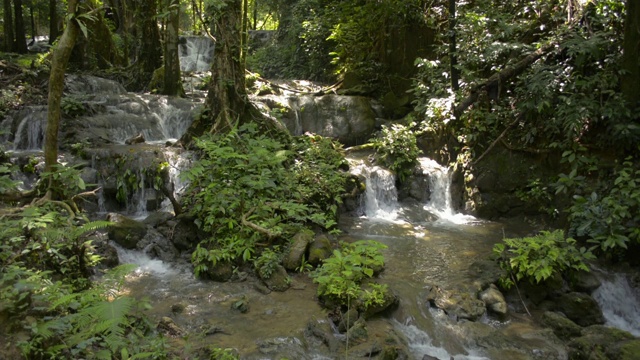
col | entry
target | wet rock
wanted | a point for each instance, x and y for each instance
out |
(394, 352)
(298, 248)
(416, 186)
(322, 331)
(564, 328)
(169, 327)
(177, 308)
(279, 280)
(222, 271)
(262, 289)
(183, 233)
(585, 282)
(283, 348)
(456, 304)
(125, 231)
(108, 254)
(601, 342)
(485, 273)
(364, 350)
(358, 332)
(240, 305)
(137, 139)
(494, 300)
(158, 246)
(319, 250)
(157, 217)
(581, 308)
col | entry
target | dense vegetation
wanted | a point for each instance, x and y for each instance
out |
(536, 77)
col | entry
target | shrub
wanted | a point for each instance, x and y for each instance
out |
(539, 257)
(397, 148)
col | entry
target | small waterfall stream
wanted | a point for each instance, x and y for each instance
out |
(620, 303)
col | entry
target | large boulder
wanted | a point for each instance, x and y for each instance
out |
(349, 119)
(279, 280)
(564, 328)
(456, 304)
(297, 250)
(494, 300)
(319, 250)
(125, 231)
(580, 308)
(601, 342)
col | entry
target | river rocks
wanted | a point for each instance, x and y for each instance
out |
(168, 327)
(125, 231)
(319, 249)
(586, 282)
(279, 280)
(157, 218)
(297, 249)
(580, 308)
(455, 303)
(221, 271)
(183, 232)
(564, 328)
(283, 348)
(137, 139)
(485, 273)
(358, 332)
(158, 246)
(240, 305)
(601, 342)
(389, 299)
(494, 300)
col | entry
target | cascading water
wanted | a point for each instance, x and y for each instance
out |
(196, 53)
(440, 192)
(620, 303)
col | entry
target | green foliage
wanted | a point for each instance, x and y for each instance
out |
(267, 263)
(397, 148)
(538, 193)
(610, 220)
(248, 188)
(65, 180)
(129, 181)
(7, 185)
(45, 240)
(539, 257)
(341, 276)
(72, 107)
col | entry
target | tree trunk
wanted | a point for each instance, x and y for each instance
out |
(631, 55)
(20, 45)
(33, 24)
(150, 54)
(8, 26)
(452, 46)
(54, 30)
(59, 60)
(172, 84)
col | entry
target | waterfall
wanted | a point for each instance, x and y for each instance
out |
(146, 265)
(196, 53)
(620, 303)
(380, 201)
(440, 187)
(30, 132)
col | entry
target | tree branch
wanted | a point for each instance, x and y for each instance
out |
(270, 234)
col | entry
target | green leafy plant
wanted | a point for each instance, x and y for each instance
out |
(72, 107)
(397, 148)
(267, 263)
(610, 220)
(341, 276)
(247, 188)
(537, 258)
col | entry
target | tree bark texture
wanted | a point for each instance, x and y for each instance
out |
(631, 54)
(59, 61)
(172, 83)
(8, 26)
(20, 45)
(54, 30)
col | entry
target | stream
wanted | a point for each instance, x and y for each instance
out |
(428, 242)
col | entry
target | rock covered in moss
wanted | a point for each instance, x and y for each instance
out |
(456, 303)
(297, 250)
(601, 342)
(581, 308)
(494, 300)
(125, 231)
(564, 328)
(279, 280)
(319, 250)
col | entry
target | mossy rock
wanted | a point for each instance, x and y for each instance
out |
(630, 350)
(601, 343)
(125, 231)
(279, 280)
(222, 271)
(319, 250)
(297, 250)
(564, 328)
(581, 308)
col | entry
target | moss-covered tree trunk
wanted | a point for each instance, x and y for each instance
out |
(59, 61)
(172, 83)
(54, 31)
(20, 45)
(227, 104)
(7, 18)
(631, 55)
